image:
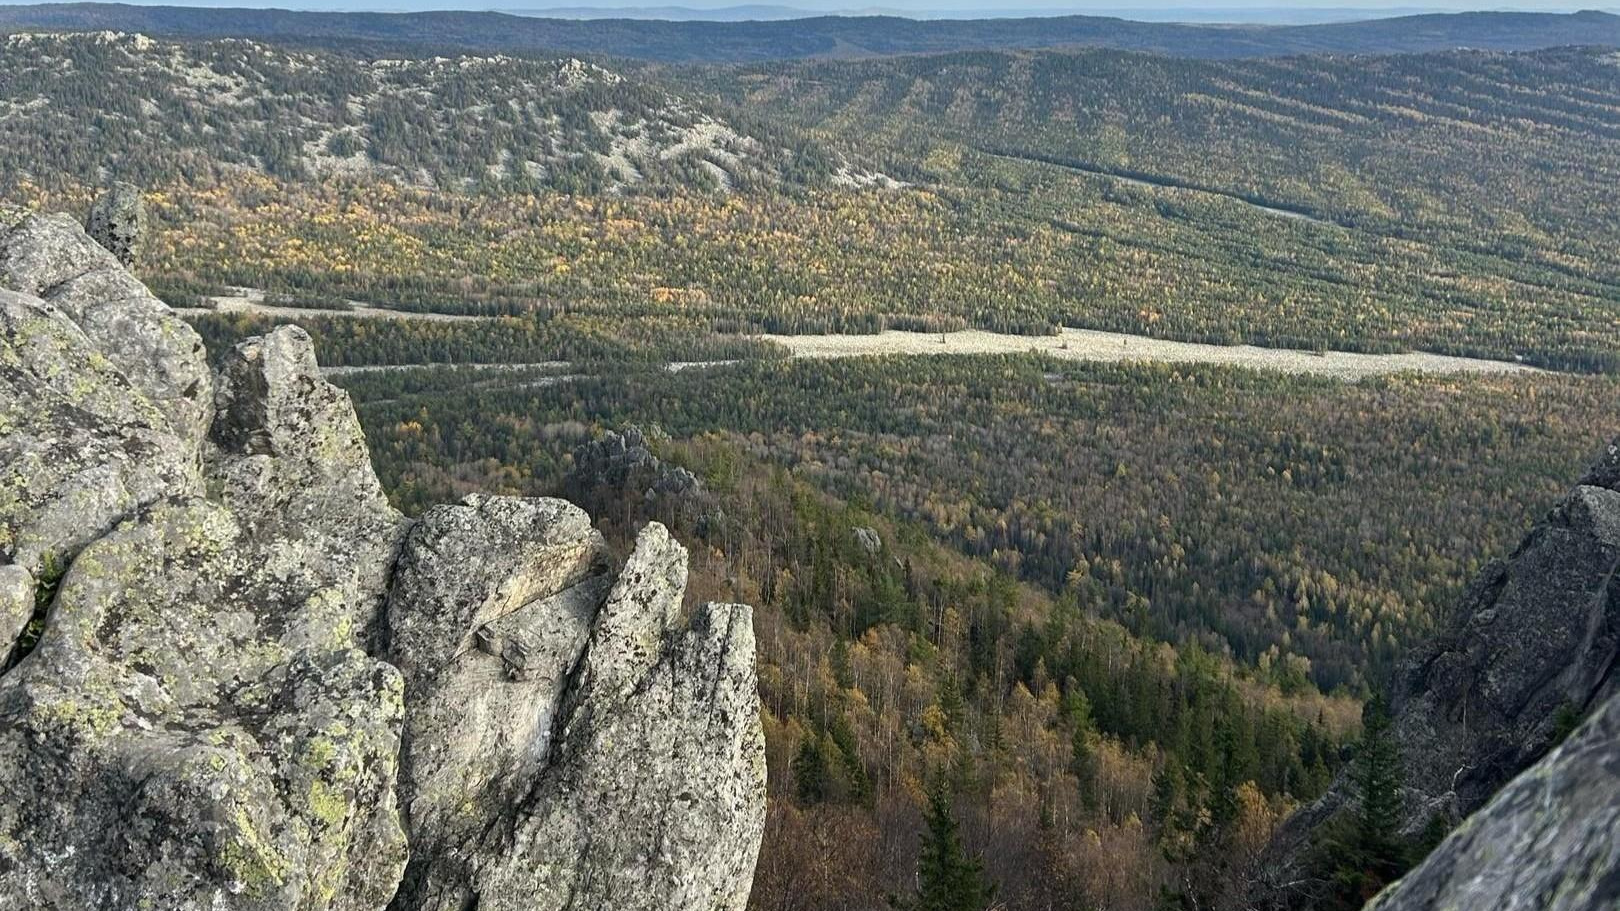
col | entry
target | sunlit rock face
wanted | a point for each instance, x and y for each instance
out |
(235, 678)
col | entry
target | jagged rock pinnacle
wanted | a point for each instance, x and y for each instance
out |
(118, 222)
(257, 687)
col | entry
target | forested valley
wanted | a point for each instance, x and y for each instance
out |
(1107, 624)
(1375, 204)
(1128, 613)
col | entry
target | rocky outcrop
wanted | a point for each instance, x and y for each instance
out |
(81, 448)
(623, 462)
(1537, 636)
(155, 352)
(490, 611)
(1534, 642)
(200, 722)
(117, 221)
(868, 540)
(1546, 841)
(593, 704)
(621, 467)
(257, 686)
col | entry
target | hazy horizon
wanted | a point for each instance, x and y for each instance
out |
(1216, 10)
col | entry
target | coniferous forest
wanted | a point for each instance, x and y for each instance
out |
(1033, 632)
(1125, 660)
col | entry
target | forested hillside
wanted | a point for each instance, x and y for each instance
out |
(828, 36)
(1123, 616)
(1421, 142)
(1306, 528)
(1454, 189)
(163, 111)
(1372, 204)
(1265, 515)
(892, 666)
(1270, 517)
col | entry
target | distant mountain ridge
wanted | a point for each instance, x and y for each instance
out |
(748, 13)
(827, 36)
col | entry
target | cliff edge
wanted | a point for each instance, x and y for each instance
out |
(1533, 646)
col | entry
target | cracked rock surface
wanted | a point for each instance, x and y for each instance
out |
(1546, 841)
(235, 678)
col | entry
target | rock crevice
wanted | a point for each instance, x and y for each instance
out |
(258, 686)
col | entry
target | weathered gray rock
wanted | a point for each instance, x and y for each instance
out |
(1535, 634)
(17, 589)
(208, 722)
(1548, 841)
(285, 433)
(490, 610)
(290, 458)
(80, 448)
(635, 780)
(1606, 473)
(869, 540)
(622, 461)
(662, 715)
(50, 256)
(117, 221)
(1536, 637)
(197, 728)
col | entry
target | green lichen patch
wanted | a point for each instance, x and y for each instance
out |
(93, 710)
(328, 805)
(250, 860)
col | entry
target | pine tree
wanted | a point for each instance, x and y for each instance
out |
(1379, 779)
(1367, 852)
(947, 879)
(810, 771)
(1173, 810)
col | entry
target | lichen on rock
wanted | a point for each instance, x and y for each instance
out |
(117, 221)
(578, 707)
(157, 353)
(81, 448)
(661, 712)
(258, 687)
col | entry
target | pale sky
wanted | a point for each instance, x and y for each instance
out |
(1076, 6)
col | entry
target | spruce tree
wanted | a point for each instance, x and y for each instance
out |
(1083, 761)
(849, 756)
(810, 771)
(947, 878)
(1379, 779)
(1366, 851)
(951, 703)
